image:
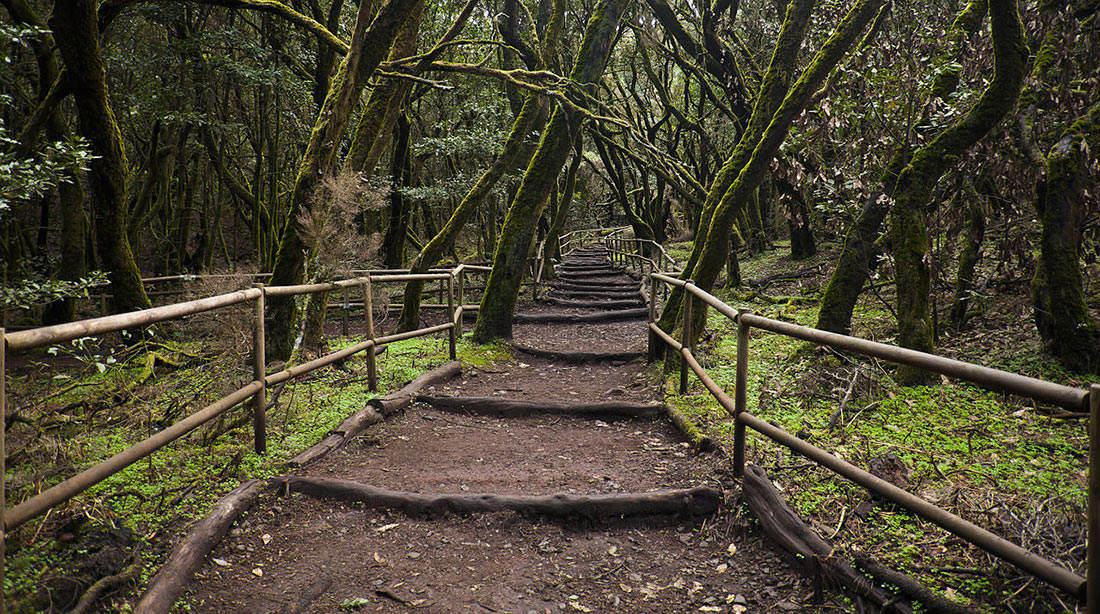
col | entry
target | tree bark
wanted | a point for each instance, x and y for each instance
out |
(77, 34)
(393, 244)
(755, 168)
(971, 253)
(516, 237)
(909, 232)
(772, 90)
(1061, 314)
(368, 46)
(860, 254)
(514, 153)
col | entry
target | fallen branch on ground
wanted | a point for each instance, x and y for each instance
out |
(689, 429)
(816, 557)
(699, 501)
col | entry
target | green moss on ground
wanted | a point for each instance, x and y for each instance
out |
(95, 414)
(997, 461)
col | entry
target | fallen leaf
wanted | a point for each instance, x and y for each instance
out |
(738, 609)
(222, 562)
(722, 567)
(732, 549)
(265, 538)
(385, 527)
(258, 572)
(613, 551)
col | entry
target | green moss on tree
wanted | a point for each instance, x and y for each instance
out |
(915, 184)
(517, 235)
(77, 35)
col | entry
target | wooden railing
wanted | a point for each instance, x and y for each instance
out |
(256, 390)
(1075, 399)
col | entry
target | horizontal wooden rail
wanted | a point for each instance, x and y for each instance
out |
(1073, 399)
(256, 390)
(80, 482)
(1037, 389)
(59, 333)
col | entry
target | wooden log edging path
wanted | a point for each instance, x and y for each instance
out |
(190, 554)
(686, 503)
(698, 501)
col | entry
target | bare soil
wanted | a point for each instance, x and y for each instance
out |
(301, 555)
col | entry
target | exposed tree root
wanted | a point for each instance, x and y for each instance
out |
(108, 583)
(513, 408)
(699, 501)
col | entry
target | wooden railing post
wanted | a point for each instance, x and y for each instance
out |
(3, 468)
(368, 314)
(453, 339)
(651, 346)
(346, 307)
(461, 296)
(1092, 573)
(259, 371)
(740, 396)
(686, 338)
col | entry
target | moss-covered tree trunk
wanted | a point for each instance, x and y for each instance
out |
(971, 253)
(494, 318)
(375, 128)
(70, 194)
(553, 236)
(860, 254)
(515, 153)
(773, 88)
(77, 34)
(368, 47)
(393, 244)
(909, 231)
(715, 250)
(1061, 314)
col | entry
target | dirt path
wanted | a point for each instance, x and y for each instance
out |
(299, 555)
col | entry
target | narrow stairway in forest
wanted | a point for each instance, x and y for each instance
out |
(548, 483)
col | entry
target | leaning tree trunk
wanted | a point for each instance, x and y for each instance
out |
(376, 124)
(968, 261)
(553, 236)
(494, 319)
(368, 46)
(714, 253)
(909, 232)
(77, 33)
(515, 153)
(772, 90)
(859, 257)
(1061, 314)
